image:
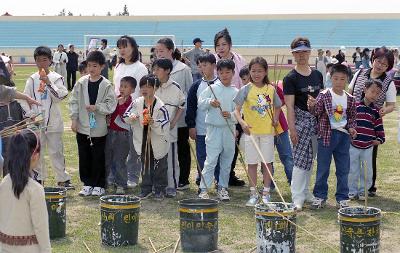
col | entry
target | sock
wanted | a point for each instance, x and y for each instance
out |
(266, 190)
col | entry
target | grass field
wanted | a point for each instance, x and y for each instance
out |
(160, 220)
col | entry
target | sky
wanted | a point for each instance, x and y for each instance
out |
(196, 7)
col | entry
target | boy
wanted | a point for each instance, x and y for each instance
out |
(195, 118)
(92, 99)
(217, 102)
(244, 75)
(174, 100)
(117, 143)
(370, 132)
(82, 67)
(335, 110)
(150, 126)
(49, 89)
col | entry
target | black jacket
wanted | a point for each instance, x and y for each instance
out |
(72, 64)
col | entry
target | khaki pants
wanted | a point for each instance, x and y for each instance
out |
(54, 144)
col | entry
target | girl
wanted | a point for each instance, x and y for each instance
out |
(129, 65)
(23, 220)
(181, 74)
(261, 109)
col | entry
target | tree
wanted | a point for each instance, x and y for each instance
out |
(70, 13)
(62, 13)
(108, 13)
(125, 12)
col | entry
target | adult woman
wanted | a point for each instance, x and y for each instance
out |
(129, 65)
(223, 50)
(300, 83)
(181, 74)
(382, 61)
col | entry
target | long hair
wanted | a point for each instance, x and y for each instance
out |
(123, 41)
(21, 147)
(263, 63)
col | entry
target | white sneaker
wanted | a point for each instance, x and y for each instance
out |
(252, 200)
(131, 184)
(120, 190)
(204, 195)
(266, 198)
(86, 191)
(98, 191)
(223, 195)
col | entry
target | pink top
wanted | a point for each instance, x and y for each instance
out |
(240, 62)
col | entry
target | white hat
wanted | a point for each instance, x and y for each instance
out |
(5, 58)
(343, 49)
(334, 61)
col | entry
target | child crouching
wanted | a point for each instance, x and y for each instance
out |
(150, 126)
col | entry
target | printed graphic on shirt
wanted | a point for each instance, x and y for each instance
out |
(339, 115)
(43, 96)
(263, 105)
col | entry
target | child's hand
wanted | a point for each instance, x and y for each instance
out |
(74, 125)
(134, 117)
(275, 123)
(91, 108)
(246, 128)
(376, 142)
(353, 133)
(226, 114)
(311, 102)
(215, 103)
(172, 124)
(192, 133)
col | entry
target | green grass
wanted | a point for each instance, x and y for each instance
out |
(160, 221)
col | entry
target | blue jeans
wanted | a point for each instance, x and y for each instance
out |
(359, 159)
(339, 148)
(284, 149)
(201, 156)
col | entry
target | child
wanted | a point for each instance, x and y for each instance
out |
(48, 88)
(244, 75)
(261, 109)
(150, 126)
(328, 81)
(117, 143)
(82, 67)
(195, 118)
(24, 223)
(217, 102)
(369, 133)
(336, 113)
(174, 100)
(92, 99)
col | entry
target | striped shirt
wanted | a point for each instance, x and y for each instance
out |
(369, 126)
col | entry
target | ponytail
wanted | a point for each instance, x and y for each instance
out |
(21, 147)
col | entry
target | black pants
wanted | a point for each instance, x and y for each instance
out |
(104, 71)
(374, 156)
(233, 165)
(69, 75)
(92, 170)
(154, 172)
(184, 157)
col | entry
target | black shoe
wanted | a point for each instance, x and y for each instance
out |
(67, 185)
(197, 182)
(159, 196)
(235, 181)
(183, 186)
(371, 193)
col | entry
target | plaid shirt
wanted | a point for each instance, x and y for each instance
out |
(322, 110)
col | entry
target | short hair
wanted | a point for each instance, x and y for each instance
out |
(104, 41)
(222, 34)
(339, 68)
(97, 57)
(130, 80)
(123, 41)
(149, 79)
(329, 65)
(295, 42)
(226, 64)
(370, 82)
(383, 52)
(206, 57)
(165, 64)
(82, 66)
(42, 51)
(244, 71)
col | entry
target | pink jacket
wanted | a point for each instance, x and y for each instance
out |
(240, 62)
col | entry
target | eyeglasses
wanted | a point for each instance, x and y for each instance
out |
(380, 62)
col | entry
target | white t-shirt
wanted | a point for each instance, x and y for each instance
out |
(390, 93)
(136, 70)
(339, 105)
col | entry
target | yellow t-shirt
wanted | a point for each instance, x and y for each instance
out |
(258, 109)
